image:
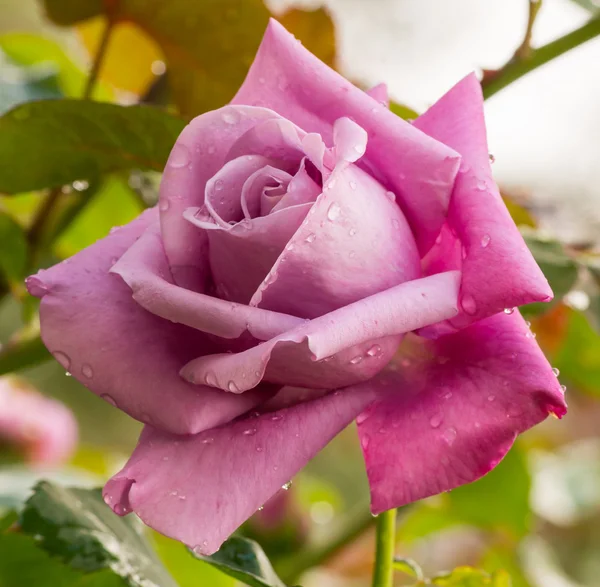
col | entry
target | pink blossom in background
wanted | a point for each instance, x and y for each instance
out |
(313, 259)
(42, 428)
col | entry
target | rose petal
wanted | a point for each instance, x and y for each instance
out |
(145, 270)
(450, 417)
(341, 348)
(182, 486)
(498, 269)
(289, 79)
(355, 242)
(199, 153)
(45, 428)
(380, 94)
(301, 190)
(120, 351)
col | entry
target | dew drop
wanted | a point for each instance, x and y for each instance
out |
(436, 420)
(62, 358)
(391, 196)
(208, 440)
(311, 237)
(68, 374)
(374, 351)
(276, 417)
(218, 185)
(509, 310)
(352, 185)
(289, 247)
(352, 254)
(109, 399)
(210, 379)
(555, 371)
(563, 388)
(87, 371)
(530, 334)
(352, 231)
(481, 185)
(333, 213)
(180, 156)
(261, 508)
(527, 323)
(259, 449)
(355, 360)
(230, 116)
(485, 240)
(286, 486)
(449, 436)
(231, 386)
(80, 185)
(249, 432)
(492, 158)
(468, 304)
(491, 397)
(121, 510)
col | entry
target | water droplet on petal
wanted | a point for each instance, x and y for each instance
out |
(218, 185)
(485, 240)
(352, 185)
(436, 420)
(509, 310)
(210, 379)
(231, 386)
(355, 360)
(276, 417)
(259, 449)
(352, 231)
(249, 432)
(396, 223)
(208, 440)
(468, 304)
(63, 359)
(491, 397)
(492, 158)
(527, 323)
(374, 350)
(391, 196)
(121, 510)
(333, 213)
(555, 371)
(180, 156)
(107, 398)
(87, 371)
(563, 388)
(286, 486)
(311, 237)
(481, 185)
(230, 116)
(449, 436)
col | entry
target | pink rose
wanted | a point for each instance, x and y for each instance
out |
(42, 428)
(302, 232)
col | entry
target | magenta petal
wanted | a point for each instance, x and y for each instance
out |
(380, 94)
(341, 348)
(498, 269)
(121, 352)
(198, 154)
(144, 268)
(333, 250)
(289, 79)
(199, 489)
(449, 418)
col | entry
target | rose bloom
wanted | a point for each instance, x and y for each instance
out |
(303, 231)
(42, 428)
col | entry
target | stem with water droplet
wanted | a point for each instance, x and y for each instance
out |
(385, 543)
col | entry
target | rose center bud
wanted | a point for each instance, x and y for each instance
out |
(295, 227)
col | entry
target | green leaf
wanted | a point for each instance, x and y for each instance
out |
(403, 111)
(498, 501)
(13, 249)
(8, 519)
(469, 577)
(55, 142)
(75, 526)
(22, 84)
(408, 567)
(32, 50)
(590, 5)
(23, 564)
(559, 268)
(22, 354)
(245, 561)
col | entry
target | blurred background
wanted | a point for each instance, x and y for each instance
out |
(538, 514)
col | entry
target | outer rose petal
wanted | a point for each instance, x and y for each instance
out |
(199, 489)
(449, 418)
(289, 79)
(340, 348)
(498, 269)
(145, 270)
(43, 427)
(380, 94)
(120, 351)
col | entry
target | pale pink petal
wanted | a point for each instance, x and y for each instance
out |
(343, 347)
(199, 489)
(289, 79)
(451, 412)
(121, 352)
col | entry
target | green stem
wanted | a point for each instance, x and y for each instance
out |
(385, 543)
(519, 66)
(22, 354)
(98, 59)
(348, 532)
